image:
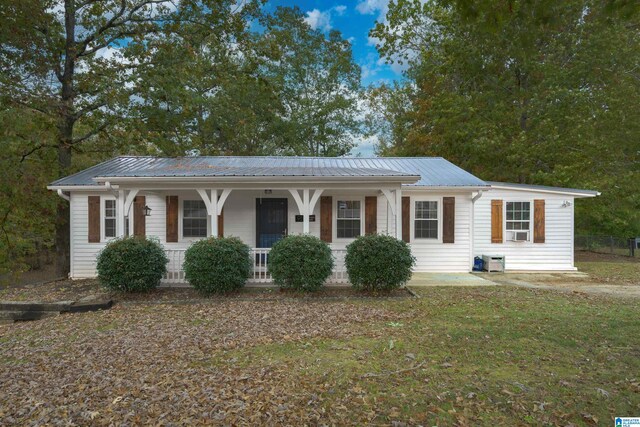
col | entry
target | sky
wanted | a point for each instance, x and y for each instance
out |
(354, 19)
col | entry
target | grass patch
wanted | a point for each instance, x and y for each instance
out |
(466, 356)
(480, 356)
(612, 272)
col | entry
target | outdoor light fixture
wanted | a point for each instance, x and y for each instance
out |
(566, 204)
(267, 191)
(147, 210)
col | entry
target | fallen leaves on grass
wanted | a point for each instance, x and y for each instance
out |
(165, 364)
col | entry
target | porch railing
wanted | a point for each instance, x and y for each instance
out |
(259, 274)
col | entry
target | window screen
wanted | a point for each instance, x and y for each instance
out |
(348, 219)
(518, 216)
(109, 218)
(426, 220)
(194, 219)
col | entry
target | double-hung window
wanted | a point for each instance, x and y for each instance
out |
(426, 219)
(109, 218)
(518, 216)
(348, 219)
(194, 218)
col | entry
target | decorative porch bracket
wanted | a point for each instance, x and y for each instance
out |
(395, 204)
(306, 205)
(124, 202)
(214, 205)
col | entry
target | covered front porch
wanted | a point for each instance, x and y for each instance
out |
(260, 216)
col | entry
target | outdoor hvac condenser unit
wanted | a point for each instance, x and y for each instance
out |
(493, 263)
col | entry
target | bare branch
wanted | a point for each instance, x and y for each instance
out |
(93, 132)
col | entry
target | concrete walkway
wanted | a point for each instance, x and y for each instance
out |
(448, 279)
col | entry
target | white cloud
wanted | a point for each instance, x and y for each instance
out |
(318, 20)
(321, 19)
(370, 7)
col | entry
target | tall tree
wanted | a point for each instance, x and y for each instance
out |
(318, 85)
(57, 59)
(527, 91)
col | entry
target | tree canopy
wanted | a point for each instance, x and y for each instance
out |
(81, 81)
(527, 91)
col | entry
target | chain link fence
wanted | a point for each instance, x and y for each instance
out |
(607, 245)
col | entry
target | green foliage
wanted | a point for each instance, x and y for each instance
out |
(301, 262)
(524, 91)
(217, 265)
(132, 264)
(377, 262)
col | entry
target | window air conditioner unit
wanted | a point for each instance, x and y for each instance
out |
(519, 236)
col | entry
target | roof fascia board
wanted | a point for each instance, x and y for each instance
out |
(211, 180)
(445, 187)
(549, 191)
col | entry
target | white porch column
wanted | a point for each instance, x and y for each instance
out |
(305, 204)
(214, 213)
(399, 214)
(214, 205)
(120, 214)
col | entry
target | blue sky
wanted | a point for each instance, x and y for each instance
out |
(354, 19)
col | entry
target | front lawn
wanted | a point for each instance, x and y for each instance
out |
(471, 356)
(609, 269)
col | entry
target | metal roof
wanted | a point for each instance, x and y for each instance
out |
(428, 171)
(544, 188)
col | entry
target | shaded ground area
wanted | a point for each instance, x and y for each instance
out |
(60, 290)
(467, 356)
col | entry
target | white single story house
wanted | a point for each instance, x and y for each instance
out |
(447, 215)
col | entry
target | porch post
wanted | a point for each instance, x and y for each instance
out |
(399, 214)
(305, 214)
(120, 213)
(214, 213)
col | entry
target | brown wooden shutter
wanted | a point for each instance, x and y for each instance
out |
(406, 218)
(538, 221)
(326, 219)
(370, 215)
(94, 219)
(221, 223)
(496, 221)
(172, 219)
(448, 219)
(139, 220)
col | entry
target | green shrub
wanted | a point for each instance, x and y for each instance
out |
(301, 262)
(132, 264)
(217, 265)
(378, 262)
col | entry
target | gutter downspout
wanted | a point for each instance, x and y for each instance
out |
(471, 226)
(63, 195)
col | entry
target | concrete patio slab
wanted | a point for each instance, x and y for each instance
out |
(448, 279)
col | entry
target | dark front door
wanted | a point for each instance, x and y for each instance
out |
(271, 221)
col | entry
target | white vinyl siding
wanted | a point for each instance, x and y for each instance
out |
(557, 251)
(433, 255)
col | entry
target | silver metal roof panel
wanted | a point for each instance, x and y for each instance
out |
(432, 171)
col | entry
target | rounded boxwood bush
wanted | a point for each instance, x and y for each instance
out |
(301, 262)
(217, 265)
(132, 264)
(378, 262)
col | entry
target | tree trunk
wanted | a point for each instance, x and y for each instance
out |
(63, 238)
(66, 122)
